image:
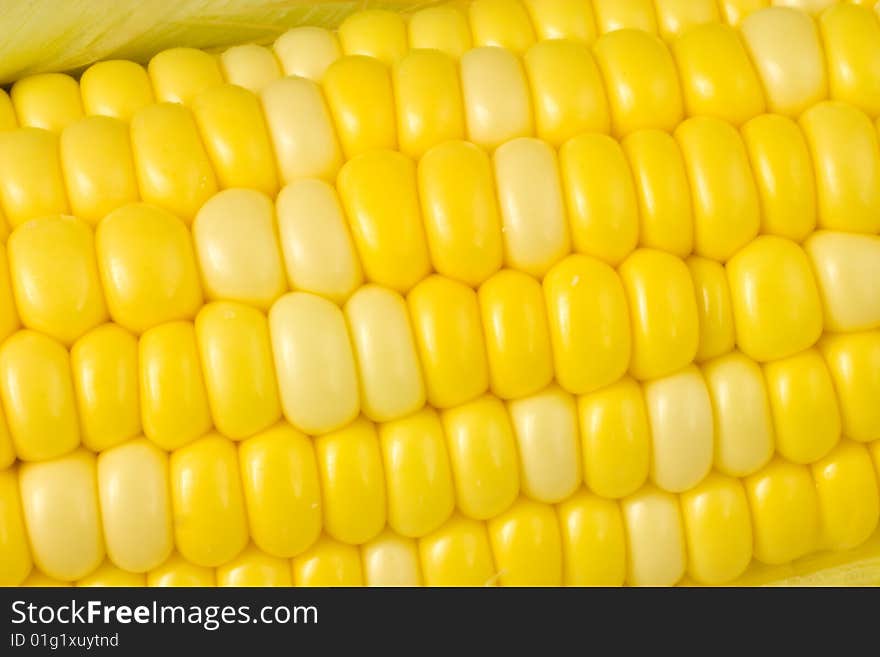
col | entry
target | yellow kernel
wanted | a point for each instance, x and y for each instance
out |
(210, 524)
(282, 494)
(589, 323)
(417, 473)
(239, 375)
(116, 88)
(147, 266)
(446, 323)
(482, 450)
(180, 74)
(352, 483)
(174, 403)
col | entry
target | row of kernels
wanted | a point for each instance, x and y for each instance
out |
(712, 532)
(709, 200)
(460, 337)
(464, 341)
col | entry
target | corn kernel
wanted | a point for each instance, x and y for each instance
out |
(234, 133)
(442, 28)
(429, 106)
(50, 101)
(14, 544)
(783, 173)
(135, 505)
(846, 157)
(60, 503)
(96, 160)
(116, 88)
(174, 403)
(482, 450)
(249, 66)
(147, 267)
(279, 473)
(378, 192)
(680, 417)
(663, 192)
(210, 524)
(616, 439)
(457, 554)
(328, 563)
(546, 432)
(319, 255)
(307, 51)
(562, 19)
(237, 364)
(724, 196)
(497, 101)
(593, 541)
(665, 323)
(850, 36)
(806, 416)
(791, 70)
(352, 482)
(600, 197)
(612, 15)
(109, 575)
(567, 91)
(301, 130)
(461, 216)
(501, 23)
(527, 545)
(806, 6)
(717, 77)
(854, 362)
(517, 334)
(640, 78)
(178, 572)
(391, 560)
(314, 363)
(418, 474)
(718, 529)
(714, 308)
(532, 209)
(180, 74)
(849, 504)
(589, 323)
(55, 277)
(449, 336)
(178, 179)
(844, 265)
(743, 426)
(37, 393)
(254, 568)
(237, 248)
(361, 101)
(785, 512)
(776, 306)
(388, 367)
(375, 33)
(655, 538)
(31, 181)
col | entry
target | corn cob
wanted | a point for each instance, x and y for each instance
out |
(502, 293)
